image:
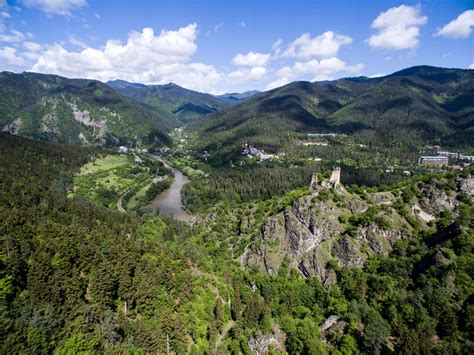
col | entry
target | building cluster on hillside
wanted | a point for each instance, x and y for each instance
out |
(252, 151)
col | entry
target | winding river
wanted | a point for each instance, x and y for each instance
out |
(169, 201)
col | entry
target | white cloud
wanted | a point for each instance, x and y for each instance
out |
(398, 28)
(277, 46)
(142, 53)
(146, 57)
(76, 42)
(314, 70)
(32, 46)
(56, 7)
(377, 75)
(8, 54)
(255, 73)
(323, 46)
(461, 27)
(277, 83)
(13, 36)
(97, 16)
(4, 14)
(471, 66)
(242, 24)
(251, 59)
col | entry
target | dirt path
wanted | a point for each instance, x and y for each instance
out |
(230, 324)
(119, 204)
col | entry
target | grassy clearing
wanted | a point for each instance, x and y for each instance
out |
(108, 178)
(103, 164)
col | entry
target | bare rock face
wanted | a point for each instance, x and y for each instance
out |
(466, 185)
(14, 127)
(309, 235)
(316, 232)
(262, 344)
(333, 324)
(436, 200)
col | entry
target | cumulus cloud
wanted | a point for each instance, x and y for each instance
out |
(251, 59)
(254, 73)
(9, 55)
(314, 70)
(377, 75)
(32, 46)
(143, 53)
(145, 57)
(399, 28)
(323, 46)
(471, 66)
(12, 36)
(56, 7)
(461, 27)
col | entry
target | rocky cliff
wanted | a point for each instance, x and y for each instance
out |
(333, 228)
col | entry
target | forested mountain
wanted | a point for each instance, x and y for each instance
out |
(78, 111)
(183, 104)
(410, 107)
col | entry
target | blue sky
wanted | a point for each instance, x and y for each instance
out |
(223, 46)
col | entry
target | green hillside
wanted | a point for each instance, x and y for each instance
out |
(415, 106)
(77, 111)
(183, 104)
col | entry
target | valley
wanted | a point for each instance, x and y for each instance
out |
(296, 220)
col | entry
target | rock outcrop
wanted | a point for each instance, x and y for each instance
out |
(263, 344)
(332, 225)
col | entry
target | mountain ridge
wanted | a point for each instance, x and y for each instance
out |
(183, 104)
(414, 106)
(77, 111)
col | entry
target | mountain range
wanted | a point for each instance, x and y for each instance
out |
(416, 105)
(182, 104)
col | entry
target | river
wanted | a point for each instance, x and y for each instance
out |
(169, 201)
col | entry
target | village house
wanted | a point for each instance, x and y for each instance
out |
(466, 157)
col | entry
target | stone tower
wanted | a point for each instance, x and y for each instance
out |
(335, 179)
(314, 182)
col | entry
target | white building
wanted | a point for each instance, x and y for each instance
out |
(466, 157)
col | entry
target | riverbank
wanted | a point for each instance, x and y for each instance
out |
(169, 201)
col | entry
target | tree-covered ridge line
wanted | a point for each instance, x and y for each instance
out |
(183, 105)
(411, 107)
(77, 111)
